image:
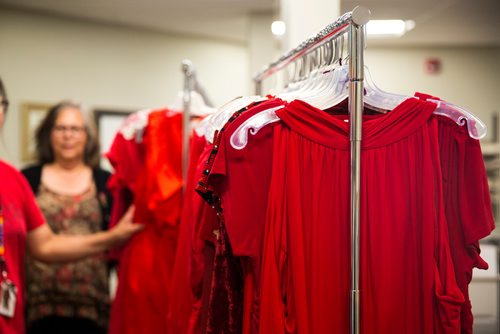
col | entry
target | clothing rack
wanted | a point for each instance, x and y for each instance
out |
(191, 84)
(188, 72)
(353, 24)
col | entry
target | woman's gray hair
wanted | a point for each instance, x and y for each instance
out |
(44, 151)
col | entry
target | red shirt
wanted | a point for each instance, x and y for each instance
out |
(21, 215)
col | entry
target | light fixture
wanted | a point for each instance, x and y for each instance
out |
(278, 28)
(389, 28)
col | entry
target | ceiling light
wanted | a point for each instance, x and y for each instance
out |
(389, 28)
(278, 28)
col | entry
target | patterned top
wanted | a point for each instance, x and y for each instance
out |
(76, 289)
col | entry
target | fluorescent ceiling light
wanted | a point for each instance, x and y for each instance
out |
(389, 28)
(278, 28)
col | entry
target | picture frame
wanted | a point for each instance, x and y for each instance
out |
(108, 122)
(32, 114)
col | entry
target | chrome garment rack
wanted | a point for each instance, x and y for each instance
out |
(188, 72)
(191, 84)
(353, 24)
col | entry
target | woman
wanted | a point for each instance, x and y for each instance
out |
(71, 191)
(24, 227)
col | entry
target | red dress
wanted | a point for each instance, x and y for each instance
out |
(187, 280)
(407, 278)
(142, 298)
(467, 203)
(297, 188)
(230, 178)
(20, 216)
(126, 155)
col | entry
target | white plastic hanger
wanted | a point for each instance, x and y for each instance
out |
(374, 97)
(217, 120)
(475, 127)
(133, 126)
(328, 85)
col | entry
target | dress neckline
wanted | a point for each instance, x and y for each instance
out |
(333, 131)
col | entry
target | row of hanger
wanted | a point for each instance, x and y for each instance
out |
(328, 85)
(321, 79)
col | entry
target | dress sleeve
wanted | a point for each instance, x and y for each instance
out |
(474, 201)
(467, 196)
(468, 207)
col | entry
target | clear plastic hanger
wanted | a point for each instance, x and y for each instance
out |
(311, 75)
(382, 101)
(298, 84)
(134, 125)
(475, 127)
(325, 77)
(377, 98)
(239, 138)
(217, 120)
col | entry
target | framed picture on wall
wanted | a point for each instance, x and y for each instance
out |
(108, 123)
(31, 115)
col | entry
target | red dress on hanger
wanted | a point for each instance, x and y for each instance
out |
(123, 180)
(240, 187)
(467, 203)
(142, 298)
(407, 276)
(187, 280)
(406, 273)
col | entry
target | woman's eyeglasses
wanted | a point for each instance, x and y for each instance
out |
(74, 130)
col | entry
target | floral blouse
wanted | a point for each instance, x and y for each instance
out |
(76, 289)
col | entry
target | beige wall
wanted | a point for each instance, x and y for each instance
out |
(46, 59)
(470, 77)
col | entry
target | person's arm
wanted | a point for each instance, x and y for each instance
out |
(46, 246)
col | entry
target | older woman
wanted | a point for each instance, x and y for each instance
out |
(23, 226)
(71, 191)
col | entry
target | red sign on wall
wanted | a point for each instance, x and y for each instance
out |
(432, 66)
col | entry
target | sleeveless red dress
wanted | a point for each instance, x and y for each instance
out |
(146, 264)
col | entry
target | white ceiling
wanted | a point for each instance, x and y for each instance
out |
(227, 19)
(438, 22)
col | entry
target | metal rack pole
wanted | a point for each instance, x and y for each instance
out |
(356, 75)
(258, 87)
(188, 71)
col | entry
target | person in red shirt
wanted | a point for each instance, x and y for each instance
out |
(22, 227)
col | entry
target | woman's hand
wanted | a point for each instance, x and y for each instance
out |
(125, 228)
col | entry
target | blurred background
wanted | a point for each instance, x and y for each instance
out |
(124, 55)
